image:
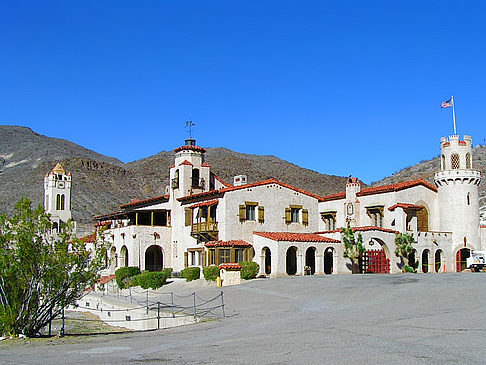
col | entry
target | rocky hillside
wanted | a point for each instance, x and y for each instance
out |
(101, 184)
(426, 169)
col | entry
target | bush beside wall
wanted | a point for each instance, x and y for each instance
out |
(150, 279)
(249, 269)
(211, 273)
(191, 273)
(123, 274)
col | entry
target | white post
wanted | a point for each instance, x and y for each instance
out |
(453, 115)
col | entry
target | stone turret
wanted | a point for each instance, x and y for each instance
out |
(458, 194)
(57, 194)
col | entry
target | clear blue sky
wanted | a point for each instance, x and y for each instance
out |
(342, 87)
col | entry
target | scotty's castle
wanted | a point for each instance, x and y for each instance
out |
(203, 220)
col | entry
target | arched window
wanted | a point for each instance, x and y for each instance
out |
(195, 178)
(455, 161)
(443, 162)
(58, 202)
(468, 160)
(423, 219)
(62, 202)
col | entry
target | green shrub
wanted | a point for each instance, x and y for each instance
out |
(407, 268)
(191, 273)
(123, 273)
(249, 269)
(168, 272)
(150, 279)
(211, 273)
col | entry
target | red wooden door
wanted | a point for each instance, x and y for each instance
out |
(375, 262)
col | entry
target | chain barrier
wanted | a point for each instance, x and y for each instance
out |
(148, 312)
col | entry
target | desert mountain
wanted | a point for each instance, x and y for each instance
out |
(101, 184)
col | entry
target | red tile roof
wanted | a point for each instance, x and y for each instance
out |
(230, 267)
(204, 204)
(246, 186)
(295, 237)
(462, 143)
(205, 164)
(189, 148)
(105, 279)
(87, 239)
(162, 198)
(405, 206)
(204, 194)
(185, 162)
(337, 196)
(362, 229)
(232, 243)
(483, 226)
(382, 189)
(221, 181)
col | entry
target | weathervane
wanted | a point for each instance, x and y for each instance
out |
(189, 125)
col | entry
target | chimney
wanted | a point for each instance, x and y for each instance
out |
(240, 180)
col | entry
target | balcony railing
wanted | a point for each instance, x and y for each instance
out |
(204, 227)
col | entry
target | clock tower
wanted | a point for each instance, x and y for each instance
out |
(57, 195)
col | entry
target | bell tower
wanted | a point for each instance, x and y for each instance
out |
(57, 194)
(457, 183)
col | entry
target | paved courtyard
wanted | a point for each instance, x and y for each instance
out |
(341, 319)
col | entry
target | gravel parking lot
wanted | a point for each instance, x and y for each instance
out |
(379, 319)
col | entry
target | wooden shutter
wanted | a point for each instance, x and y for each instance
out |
(188, 217)
(261, 214)
(203, 258)
(305, 217)
(186, 261)
(242, 213)
(288, 218)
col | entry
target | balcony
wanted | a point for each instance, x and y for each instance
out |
(205, 231)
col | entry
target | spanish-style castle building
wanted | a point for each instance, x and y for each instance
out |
(204, 221)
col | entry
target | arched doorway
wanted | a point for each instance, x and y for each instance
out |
(412, 260)
(153, 258)
(124, 256)
(267, 260)
(375, 261)
(328, 261)
(461, 257)
(438, 260)
(291, 261)
(425, 261)
(113, 260)
(310, 259)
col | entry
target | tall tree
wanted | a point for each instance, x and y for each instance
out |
(353, 246)
(41, 271)
(404, 248)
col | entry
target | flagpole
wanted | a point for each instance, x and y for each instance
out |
(453, 115)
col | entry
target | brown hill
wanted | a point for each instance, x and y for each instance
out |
(426, 169)
(101, 184)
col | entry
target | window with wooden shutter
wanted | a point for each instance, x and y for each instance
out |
(242, 213)
(288, 217)
(186, 263)
(188, 216)
(261, 214)
(203, 258)
(305, 217)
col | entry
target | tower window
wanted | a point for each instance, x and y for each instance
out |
(454, 161)
(62, 202)
(443, 162)
(195, 178)
(58, 202)
(468, 199)
(468, 160)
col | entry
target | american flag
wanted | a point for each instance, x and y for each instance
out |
(446, 104)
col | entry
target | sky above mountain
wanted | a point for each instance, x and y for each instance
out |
(344, 87)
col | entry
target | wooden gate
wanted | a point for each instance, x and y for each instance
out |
(375, 262)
